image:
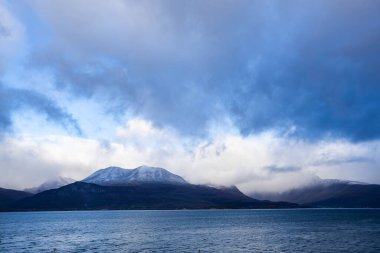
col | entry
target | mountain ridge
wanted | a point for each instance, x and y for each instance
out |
(156, 188)
(144, 187)
(88, 196)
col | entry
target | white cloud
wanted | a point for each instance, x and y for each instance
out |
(227, 158)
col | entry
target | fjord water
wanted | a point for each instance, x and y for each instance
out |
(297, 230)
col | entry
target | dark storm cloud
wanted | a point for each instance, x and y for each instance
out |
(325, 80)
(265, 64)
(12, 100)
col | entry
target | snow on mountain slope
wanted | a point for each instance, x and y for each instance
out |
(108, 175)
(142, 174)
(51, 184)
(154, 174)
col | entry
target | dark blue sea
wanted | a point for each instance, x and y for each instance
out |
(301, 230)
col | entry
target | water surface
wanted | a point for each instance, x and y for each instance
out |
(302, 230)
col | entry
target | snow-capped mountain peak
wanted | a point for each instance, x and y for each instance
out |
(109, 174)
(154, 174)
(142, 174)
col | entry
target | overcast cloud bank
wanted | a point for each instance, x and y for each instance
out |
(262, 94)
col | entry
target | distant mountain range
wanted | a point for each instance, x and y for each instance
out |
(140, 188)
(330, 193)
(156, 188)
(85, 196)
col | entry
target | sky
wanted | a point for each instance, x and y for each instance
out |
(265, 95)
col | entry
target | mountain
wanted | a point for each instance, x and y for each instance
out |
(140, 188)
(351, 196)
(115, 176)
(156, 188)
(88, 196)
(329, 193)
(51, 184)
(8, 196)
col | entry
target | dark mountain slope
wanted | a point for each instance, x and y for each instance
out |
(8, 196)
(352, 196)
(85, 196)
(338, 194)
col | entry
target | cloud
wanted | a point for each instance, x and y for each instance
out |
(13, 100)
(344, 160)
(261, 94)
(265, 64)
(263, 162)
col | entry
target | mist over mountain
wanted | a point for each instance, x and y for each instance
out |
(53, 183)
(328, 193)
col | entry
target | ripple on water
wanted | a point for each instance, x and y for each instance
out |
(189, 231)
